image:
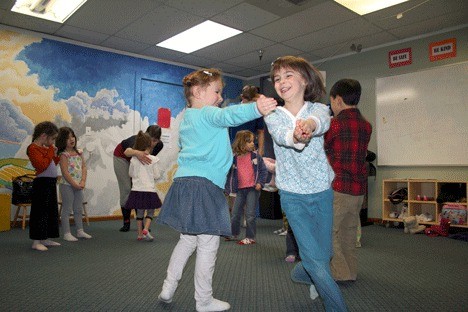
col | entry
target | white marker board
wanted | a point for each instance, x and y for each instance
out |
(422, 117)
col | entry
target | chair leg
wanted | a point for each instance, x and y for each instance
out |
(25, 208)
(16, 216)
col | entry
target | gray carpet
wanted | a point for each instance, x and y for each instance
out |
(115, 272)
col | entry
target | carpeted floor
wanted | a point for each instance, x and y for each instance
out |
(115, 272)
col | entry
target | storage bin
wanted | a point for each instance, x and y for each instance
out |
(455, 213)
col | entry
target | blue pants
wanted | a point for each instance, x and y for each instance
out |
(311, 218)
(248, 197)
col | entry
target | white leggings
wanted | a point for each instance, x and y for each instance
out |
(207, 248)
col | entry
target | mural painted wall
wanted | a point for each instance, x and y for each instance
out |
(105, 97)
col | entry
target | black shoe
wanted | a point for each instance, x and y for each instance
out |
(125, 227)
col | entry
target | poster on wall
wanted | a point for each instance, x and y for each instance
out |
(402, 57)
(443, 49)
(164, 117)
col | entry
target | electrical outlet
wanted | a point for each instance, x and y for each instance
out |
(88, 131)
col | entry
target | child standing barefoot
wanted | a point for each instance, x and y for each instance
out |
(72, 184)
(195, 204)
(246, 180)
(143, 197)
(303, 174)
(43, 221)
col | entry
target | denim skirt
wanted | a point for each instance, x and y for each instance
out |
(195, 205)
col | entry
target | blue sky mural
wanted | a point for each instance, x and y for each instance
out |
(69, 68)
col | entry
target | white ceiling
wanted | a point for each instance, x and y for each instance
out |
(314, 29)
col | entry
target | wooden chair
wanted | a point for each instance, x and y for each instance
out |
(22, 214)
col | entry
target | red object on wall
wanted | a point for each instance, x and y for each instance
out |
(443, 49)
(402, 57)
(164, 117)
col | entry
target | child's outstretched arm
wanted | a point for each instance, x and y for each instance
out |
(266, 105)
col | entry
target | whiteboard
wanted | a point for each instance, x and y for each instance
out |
(422, 117)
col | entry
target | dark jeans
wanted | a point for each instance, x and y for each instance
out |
(247, 197)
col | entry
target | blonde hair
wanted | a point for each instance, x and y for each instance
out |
(202, 78)
(242, 138)
(314, 88)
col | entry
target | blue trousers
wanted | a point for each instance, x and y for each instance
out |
(311, 218)
(247, 197)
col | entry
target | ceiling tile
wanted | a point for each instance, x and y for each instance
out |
(245, 17)
(431, 25)
(413, 14)
(125, 44)
(79, 34)
(30, 23)
(270, 54)
(162, 53)
(7, 4)
(159, 25)
(344, 32)
(204, 8)
(307, 21)
(118, 14)
(233, 47)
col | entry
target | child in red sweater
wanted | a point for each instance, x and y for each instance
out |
(44, 221)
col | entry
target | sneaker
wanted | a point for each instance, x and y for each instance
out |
(147, 236)
(69, 237)
(231, 238)
(284, 233)
(246, 241)
(313, 292)
(279, 231)
(214, 305)
(49, 243)
(39, 246)
(83, 234)
(290, 259)
(125, 227)
(167, 291)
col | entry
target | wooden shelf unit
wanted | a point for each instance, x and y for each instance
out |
(422, 198)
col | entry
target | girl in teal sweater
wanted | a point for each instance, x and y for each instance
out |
(195, 204)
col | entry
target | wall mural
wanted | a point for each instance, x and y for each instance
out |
(104, 97)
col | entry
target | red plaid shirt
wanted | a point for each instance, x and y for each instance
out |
(346, 146)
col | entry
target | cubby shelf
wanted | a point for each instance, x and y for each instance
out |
(422, 199)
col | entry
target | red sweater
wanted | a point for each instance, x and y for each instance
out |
(41, 156)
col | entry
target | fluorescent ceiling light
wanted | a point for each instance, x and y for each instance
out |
(362, 7)
(199, 36)
(52, 10)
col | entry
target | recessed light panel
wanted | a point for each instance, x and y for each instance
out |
(199, 36)
(362, 7)
(52, 10)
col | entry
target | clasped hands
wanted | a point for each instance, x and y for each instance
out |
(304, 130)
